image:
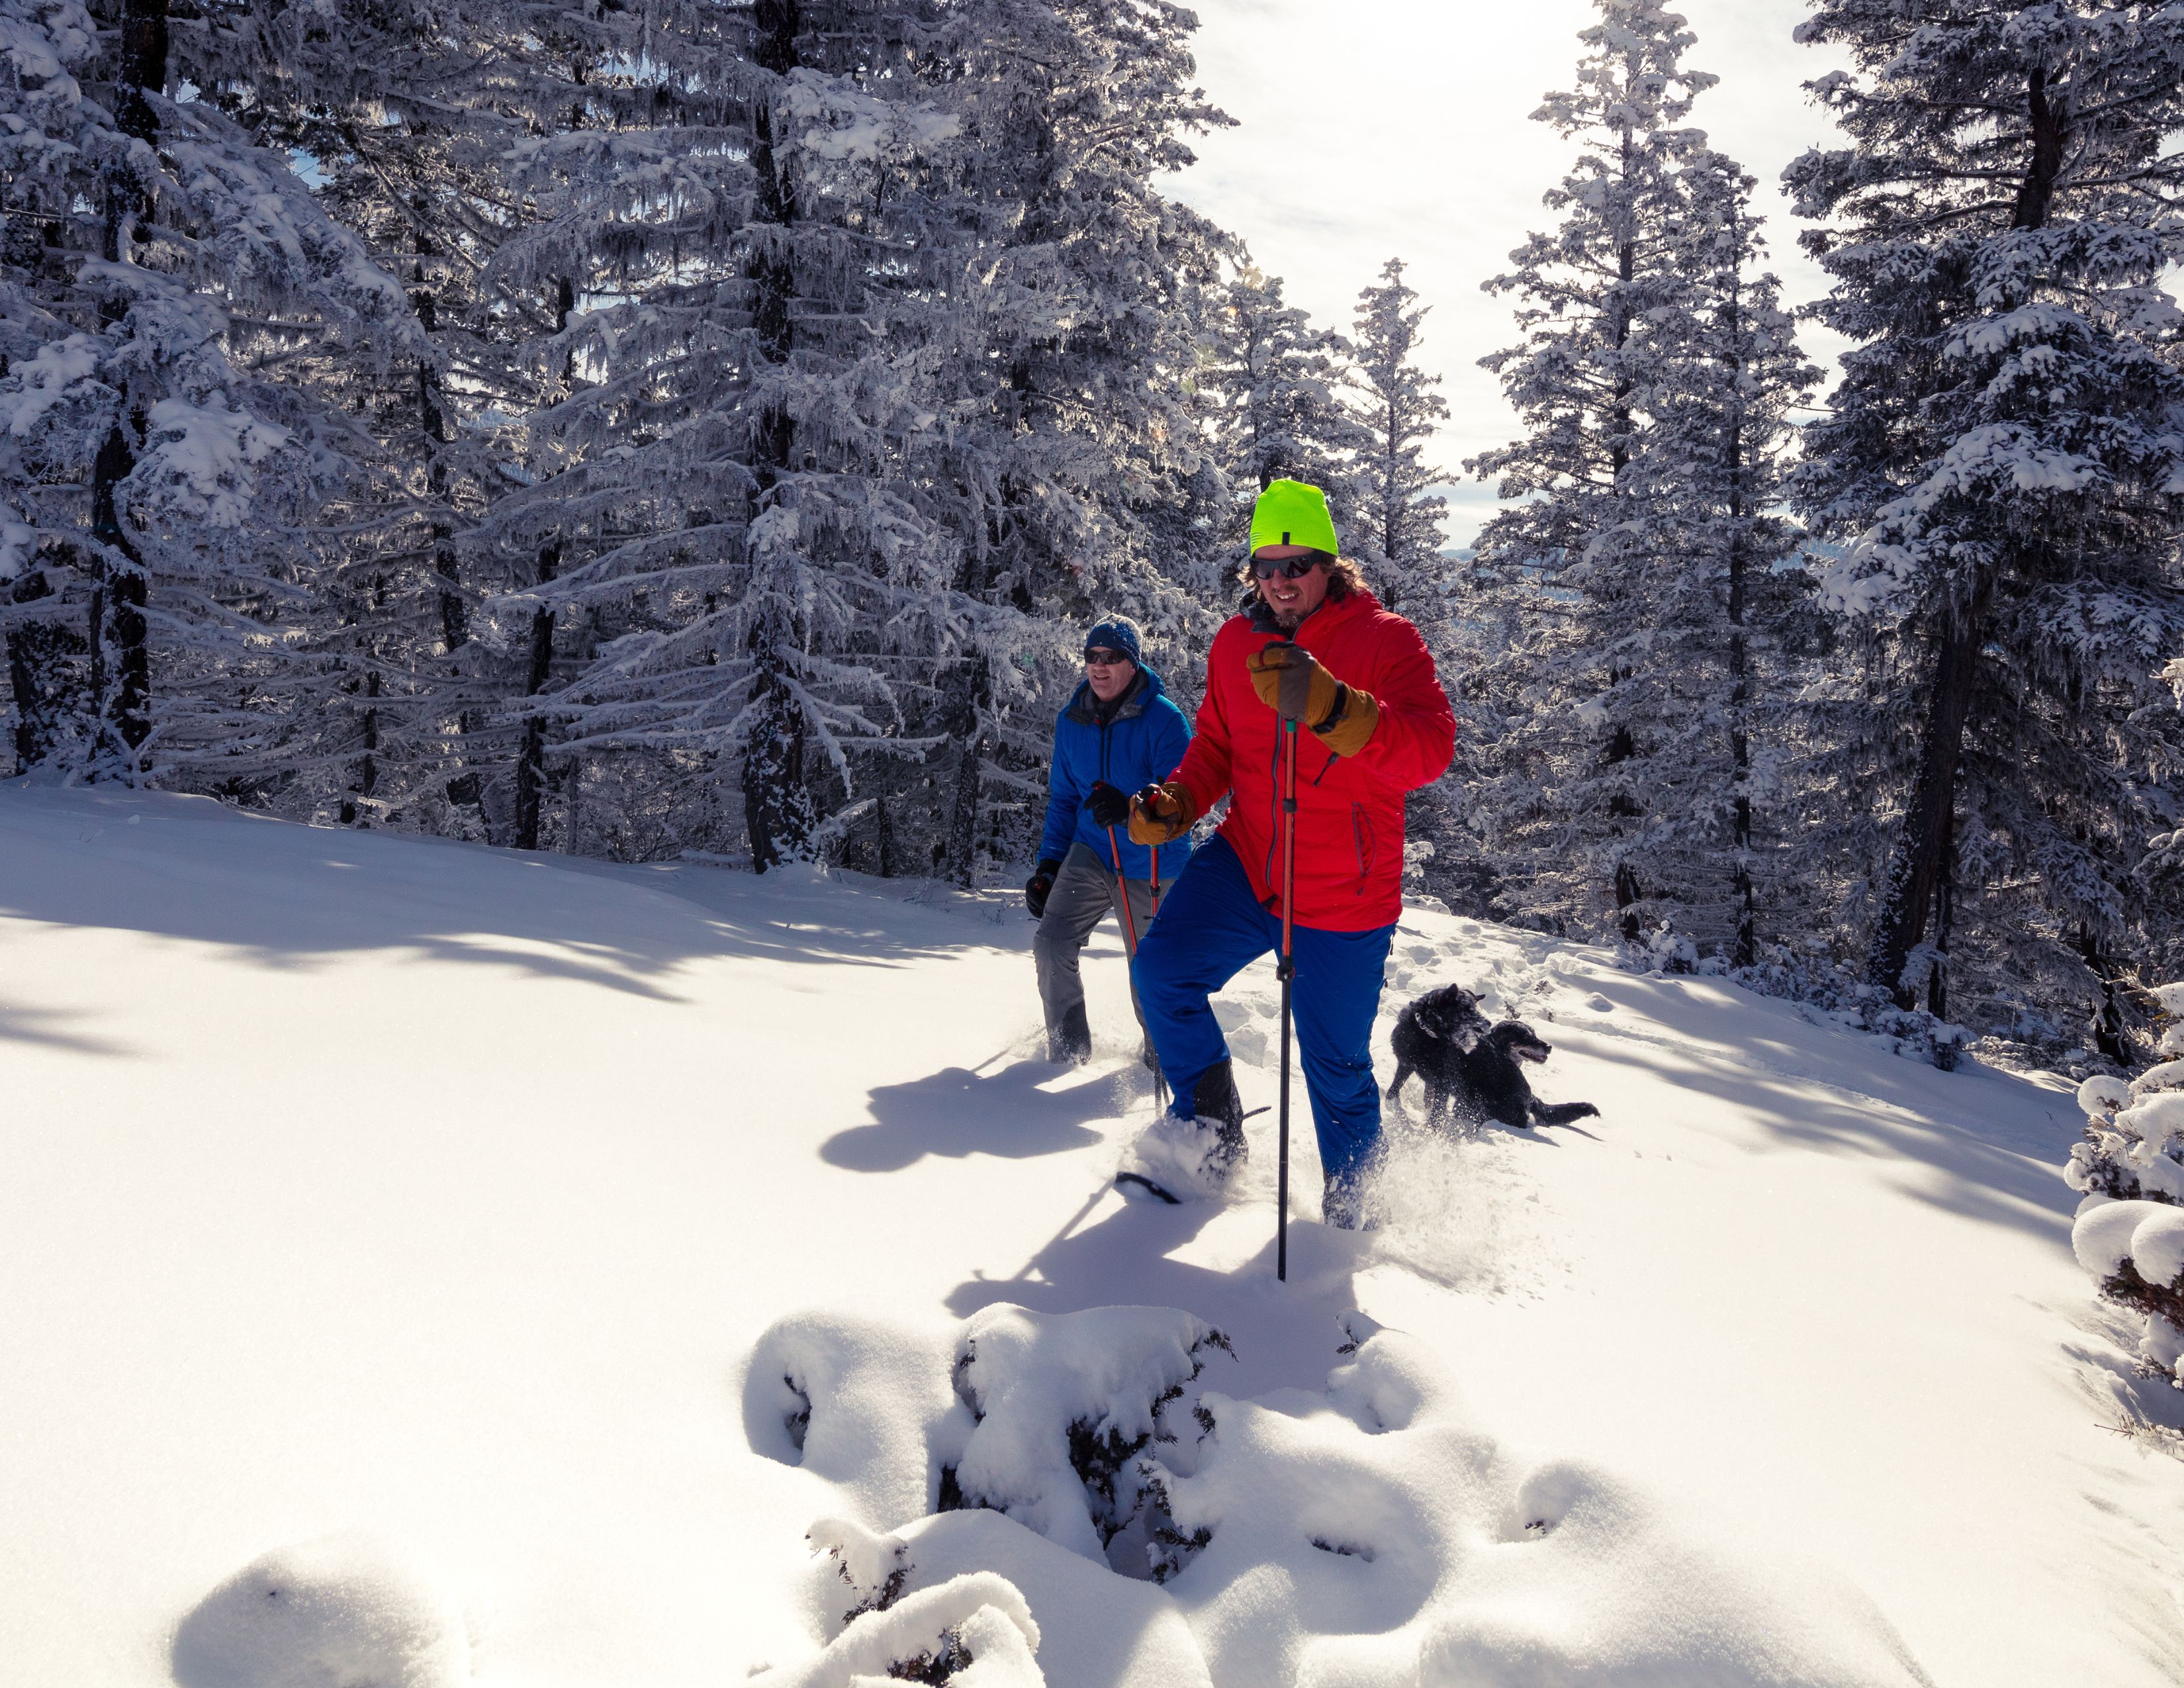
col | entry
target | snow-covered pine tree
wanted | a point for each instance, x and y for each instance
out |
(1568, 808)
(1725, 615)
(162, 272)
(410, 127)
(933, 290)
(1399, 407)
(1072, 475)
(2004, 464)
(1278, 382)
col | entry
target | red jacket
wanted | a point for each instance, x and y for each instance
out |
(1350, 813)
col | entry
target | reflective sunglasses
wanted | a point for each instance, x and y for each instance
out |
(1101, 657)
(1289, 568)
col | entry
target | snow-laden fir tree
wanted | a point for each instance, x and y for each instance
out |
(2130, 1169)
(731, 492)
(1399, 407)
(1726, 617)
(163, 271)
(1077, 469)
(893, 359)
(1282, 412)
(399, 716)
(2004, 463)
(1567, 807)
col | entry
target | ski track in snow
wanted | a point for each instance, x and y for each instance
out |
(427, 1264)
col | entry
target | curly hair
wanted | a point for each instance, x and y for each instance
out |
(1343, 577)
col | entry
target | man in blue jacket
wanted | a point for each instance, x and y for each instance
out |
(1120, 732)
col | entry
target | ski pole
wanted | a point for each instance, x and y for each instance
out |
(1130, 943)
(1160, 1077)
(1123, 895)
(1285, 973)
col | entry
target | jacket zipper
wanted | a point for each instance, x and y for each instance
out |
(1361, 833)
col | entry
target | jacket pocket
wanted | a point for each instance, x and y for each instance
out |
(1361, 834)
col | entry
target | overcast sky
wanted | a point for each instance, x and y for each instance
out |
(1376, 129)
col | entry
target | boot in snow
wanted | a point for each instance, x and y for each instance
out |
(1189, 1159)
(1070, 1044)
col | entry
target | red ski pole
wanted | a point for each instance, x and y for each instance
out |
(1285, 973)
(1130, 943)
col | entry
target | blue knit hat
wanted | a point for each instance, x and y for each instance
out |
(1117, 632)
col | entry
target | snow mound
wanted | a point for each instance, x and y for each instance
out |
(343, 1612)
(972, 1631)
(1369, 1534)
(1373, 1534)
(858, 1401)
(1064, 1403)
(1591, 1584)
(1097, 1630)
(2134, 1251)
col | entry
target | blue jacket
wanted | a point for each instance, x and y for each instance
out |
(1143, 743)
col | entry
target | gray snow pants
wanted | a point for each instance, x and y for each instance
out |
(1083, 892)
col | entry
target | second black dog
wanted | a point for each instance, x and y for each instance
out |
(1431, 1038)
(1474, 1072)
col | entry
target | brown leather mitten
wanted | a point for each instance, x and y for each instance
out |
(1161, 814)
(1357, 717)
(1292, 682)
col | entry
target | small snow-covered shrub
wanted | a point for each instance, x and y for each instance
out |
(861, 1402)
(344, 1611)
(2130, 1167)
(1373, 1533)
(874, 1567)
(2134, 1143)
(1064, 1405)
(2135, 1251)
(972, 1631)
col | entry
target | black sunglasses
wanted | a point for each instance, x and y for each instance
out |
(1101, 657)
(1289, 568)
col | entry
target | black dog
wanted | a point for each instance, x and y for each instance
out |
(1476, 1077)
(1432, 1036)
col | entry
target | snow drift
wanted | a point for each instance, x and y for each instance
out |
(1370, 1533)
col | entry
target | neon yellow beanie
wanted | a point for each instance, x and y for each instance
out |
(1291, 513)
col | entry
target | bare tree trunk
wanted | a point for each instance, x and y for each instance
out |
(119, 598)
(42, 677)
(970, 768)
(367, 765)
(1922, 860)
(531, 760)
(777, 807)
(1745, 951)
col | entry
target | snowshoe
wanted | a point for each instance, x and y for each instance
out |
(1070, 1043)
(1179, 1158)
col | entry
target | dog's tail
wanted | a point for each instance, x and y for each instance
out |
(1402, 1073)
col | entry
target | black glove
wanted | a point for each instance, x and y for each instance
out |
(1110, 804)
(1037, 887)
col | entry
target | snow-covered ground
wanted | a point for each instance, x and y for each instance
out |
(411, 1213)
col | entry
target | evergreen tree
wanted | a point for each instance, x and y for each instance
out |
(1726, 612)
(163, 274)
(1278, 382)
(1398, 407)
(1568, 812)
(2003, 469)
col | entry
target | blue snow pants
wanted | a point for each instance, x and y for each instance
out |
(1210, 927)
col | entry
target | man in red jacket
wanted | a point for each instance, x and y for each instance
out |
(1313, 644)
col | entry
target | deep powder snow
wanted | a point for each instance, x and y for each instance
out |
(430, 1265)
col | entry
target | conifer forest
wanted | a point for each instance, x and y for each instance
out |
(660, 429)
